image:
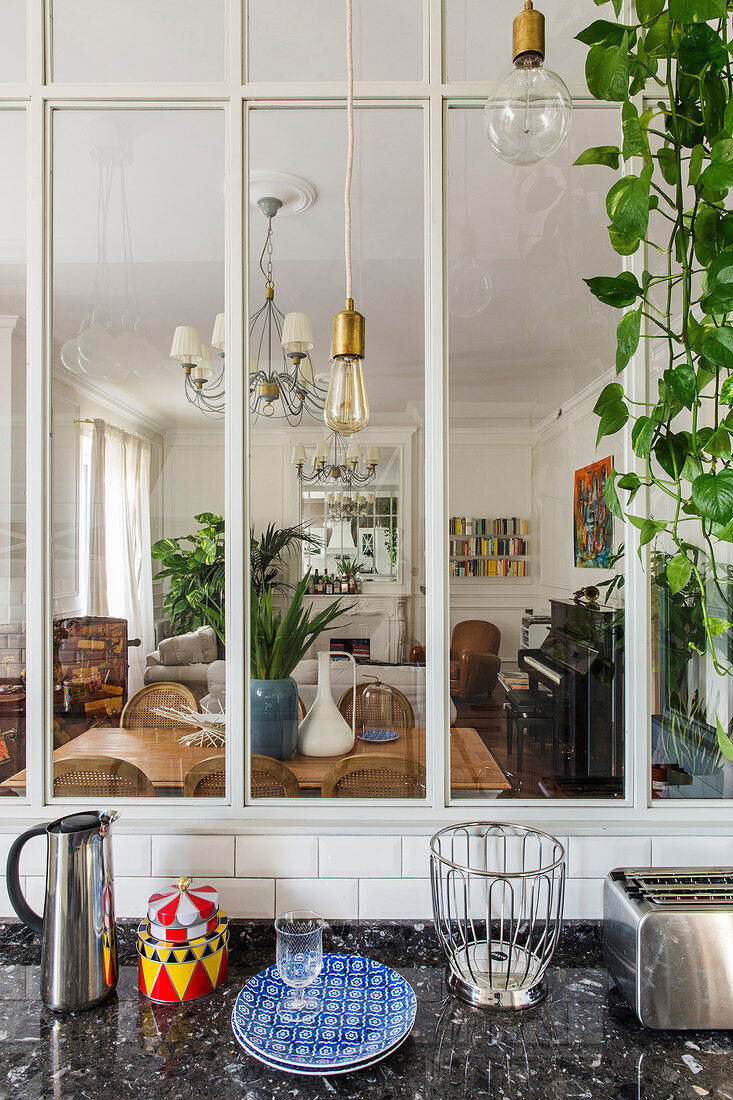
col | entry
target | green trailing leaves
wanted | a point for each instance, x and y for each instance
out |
(712, 495)
(719, 173)
(719, 295)
(697, 11)
(615, 290)
(635, 139)
(601, 154)
(670, 452)
(642, 436)
(603, 33)
(626, 244)
(627, 337)
(607, 70)
(627, 203)
(611, 496)
(679, 571)
(718, 347)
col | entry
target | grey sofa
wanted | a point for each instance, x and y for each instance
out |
(183, 659)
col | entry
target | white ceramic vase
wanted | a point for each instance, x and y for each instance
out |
(324, 731)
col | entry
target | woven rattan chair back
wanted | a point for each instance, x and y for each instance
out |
(403, 715)
(374, 775)
(271, 779)
(207, 779)
(139, 712)
(100, 777)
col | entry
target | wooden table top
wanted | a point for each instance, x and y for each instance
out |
(166, 762)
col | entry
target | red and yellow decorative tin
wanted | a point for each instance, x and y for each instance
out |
(172, 971)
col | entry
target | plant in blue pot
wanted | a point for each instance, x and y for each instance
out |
(278, 643)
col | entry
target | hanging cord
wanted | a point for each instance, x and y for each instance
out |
(350, 150)
(267, 248)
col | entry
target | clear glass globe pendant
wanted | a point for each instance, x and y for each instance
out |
(528, 115)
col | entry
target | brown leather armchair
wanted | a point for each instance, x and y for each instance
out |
(474, 660)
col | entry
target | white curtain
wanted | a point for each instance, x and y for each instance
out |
(120, 569)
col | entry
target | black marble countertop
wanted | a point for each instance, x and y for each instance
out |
(583, 1042)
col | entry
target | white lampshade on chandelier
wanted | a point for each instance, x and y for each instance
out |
(281, 376)
(336, 463)
(348, 506)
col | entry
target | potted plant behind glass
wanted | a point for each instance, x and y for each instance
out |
(349, 571)
(278, 643)
(695, 762)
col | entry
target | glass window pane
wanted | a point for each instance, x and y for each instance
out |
(138, 469)
(291, 41)
(537, 675)
(478, 38)
(12, 449)
(349, 511)
(13, 41)
(169, 40)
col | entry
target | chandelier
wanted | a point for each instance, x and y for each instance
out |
(336, 463)
(348, 506)
(282, 382)
(111, 343)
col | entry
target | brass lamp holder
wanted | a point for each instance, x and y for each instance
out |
(348, 332)
(528, 36)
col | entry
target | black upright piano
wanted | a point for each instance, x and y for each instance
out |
(581, 663)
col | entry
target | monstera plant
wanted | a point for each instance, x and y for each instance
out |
(670, 70)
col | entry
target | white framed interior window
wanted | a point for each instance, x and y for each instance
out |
(468, 449)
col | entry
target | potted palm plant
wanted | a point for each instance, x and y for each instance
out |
(690, 744)
(278, 642)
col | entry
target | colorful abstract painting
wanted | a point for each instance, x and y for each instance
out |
(592, 521)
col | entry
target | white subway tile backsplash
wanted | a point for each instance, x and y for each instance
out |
(334, 899)
(584, 899)
(277, 857)
(131, 855)
(193, 855)
(390, 899)
(33, 856)
(250, 898)
(415, 856)
(595, 856)
(6, 910)
(692, 851)
(360, 857)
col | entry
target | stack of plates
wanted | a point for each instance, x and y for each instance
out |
(367, 1011)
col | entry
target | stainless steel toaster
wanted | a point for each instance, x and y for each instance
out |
(668, 942)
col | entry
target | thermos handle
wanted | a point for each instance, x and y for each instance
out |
(18, 902)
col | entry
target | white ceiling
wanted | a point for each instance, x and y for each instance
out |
(539, 231)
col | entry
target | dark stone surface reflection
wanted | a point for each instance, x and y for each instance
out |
(582, 1042)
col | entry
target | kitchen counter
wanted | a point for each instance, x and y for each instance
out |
(583, 1041)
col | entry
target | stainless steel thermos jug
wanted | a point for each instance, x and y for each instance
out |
(77, 930)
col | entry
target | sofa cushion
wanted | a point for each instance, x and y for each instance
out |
(198, 647)
(193, 676)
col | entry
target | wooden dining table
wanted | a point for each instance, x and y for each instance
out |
(166, 762)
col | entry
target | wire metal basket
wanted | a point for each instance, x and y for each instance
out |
(498, 892)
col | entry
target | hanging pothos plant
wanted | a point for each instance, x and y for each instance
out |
(670, 69)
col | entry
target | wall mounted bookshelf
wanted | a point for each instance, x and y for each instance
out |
(484, 549)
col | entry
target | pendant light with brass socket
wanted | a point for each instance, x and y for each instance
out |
(528, 115)
(347, 409)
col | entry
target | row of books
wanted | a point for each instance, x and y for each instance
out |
(488, 567)
(500, 547)
(467, 525)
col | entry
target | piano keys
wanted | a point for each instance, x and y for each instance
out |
(581, 664)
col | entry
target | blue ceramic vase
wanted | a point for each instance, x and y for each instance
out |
(274, 717)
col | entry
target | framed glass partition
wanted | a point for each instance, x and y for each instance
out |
(346, 513)
(138, 485)
(13, 436)
(536, 610)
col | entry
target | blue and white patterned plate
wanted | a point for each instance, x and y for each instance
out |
(367, 1009)
(322, 1071)
(378, 735)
